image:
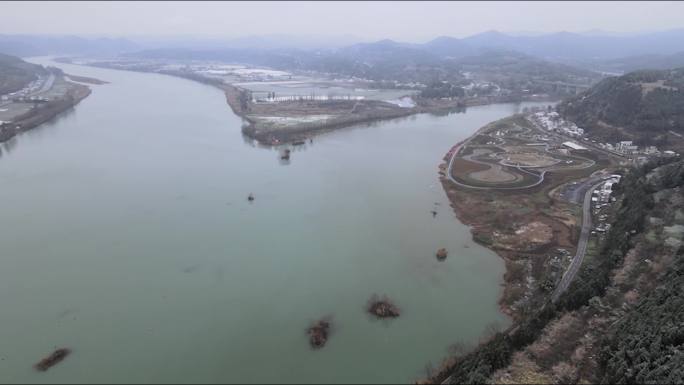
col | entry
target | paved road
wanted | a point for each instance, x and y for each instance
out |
(576, 196)
(572, 270)
(47, 84)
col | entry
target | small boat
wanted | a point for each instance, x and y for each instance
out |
(298, 143)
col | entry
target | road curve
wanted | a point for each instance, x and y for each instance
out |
(572, 270)
(540, 176)
(453, 180)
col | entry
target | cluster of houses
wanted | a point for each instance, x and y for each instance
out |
(23, 94)
(552, 121)
(600, 198)
(628, 148)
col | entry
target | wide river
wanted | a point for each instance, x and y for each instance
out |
(127, 237)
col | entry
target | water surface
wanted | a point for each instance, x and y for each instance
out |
(127, 237)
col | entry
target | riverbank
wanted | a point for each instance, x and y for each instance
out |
(530, 228)
(275, 123)
(44, 111)
(174, 175)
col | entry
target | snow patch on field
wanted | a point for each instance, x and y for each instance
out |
(259, 71)
(405, 102)
(295, 119)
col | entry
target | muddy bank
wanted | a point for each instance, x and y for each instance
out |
(85, 79)
(345, 114)
(533, 233)
(44, 112)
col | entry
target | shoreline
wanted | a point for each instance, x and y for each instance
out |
(44, 113)
(503, 220)
(475, 229)
(239, 103)
(304, 131)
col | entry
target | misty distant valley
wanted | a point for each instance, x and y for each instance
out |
(212, 192)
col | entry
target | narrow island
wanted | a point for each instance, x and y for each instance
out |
(274, 119)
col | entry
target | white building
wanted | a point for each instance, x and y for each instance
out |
(626, 147)
(574, 146)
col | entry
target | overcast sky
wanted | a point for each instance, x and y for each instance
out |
(406, 21)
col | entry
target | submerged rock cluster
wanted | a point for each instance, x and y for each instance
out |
(382, 308)
(318, 333)
(53, 359)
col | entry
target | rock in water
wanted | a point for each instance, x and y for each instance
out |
(318, 334)
(53, 359)
(382, 308)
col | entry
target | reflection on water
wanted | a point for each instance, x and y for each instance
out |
(9, 144)
(450, 111)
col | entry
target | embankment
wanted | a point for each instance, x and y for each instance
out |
(44, 112)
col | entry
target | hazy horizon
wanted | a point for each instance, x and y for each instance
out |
(345, 21)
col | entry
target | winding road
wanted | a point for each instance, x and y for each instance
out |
(540, 176)
(572, 270)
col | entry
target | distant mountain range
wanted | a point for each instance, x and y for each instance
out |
(589, 49)
(633, 63)
(574, 46)
(559, 46)
(33, 45)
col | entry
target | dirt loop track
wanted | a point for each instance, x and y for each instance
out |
(538, 177)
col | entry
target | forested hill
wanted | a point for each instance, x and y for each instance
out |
(16, 73)
(622, 319)
(643, 106)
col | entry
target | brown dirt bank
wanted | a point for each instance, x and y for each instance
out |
(524, 230)
(85, 79)
(531, 230)
(343, 113)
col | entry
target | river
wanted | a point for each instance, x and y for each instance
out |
(127, 237)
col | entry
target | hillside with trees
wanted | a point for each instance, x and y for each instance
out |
(643, 106)
(16, 73)
(621, 320)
